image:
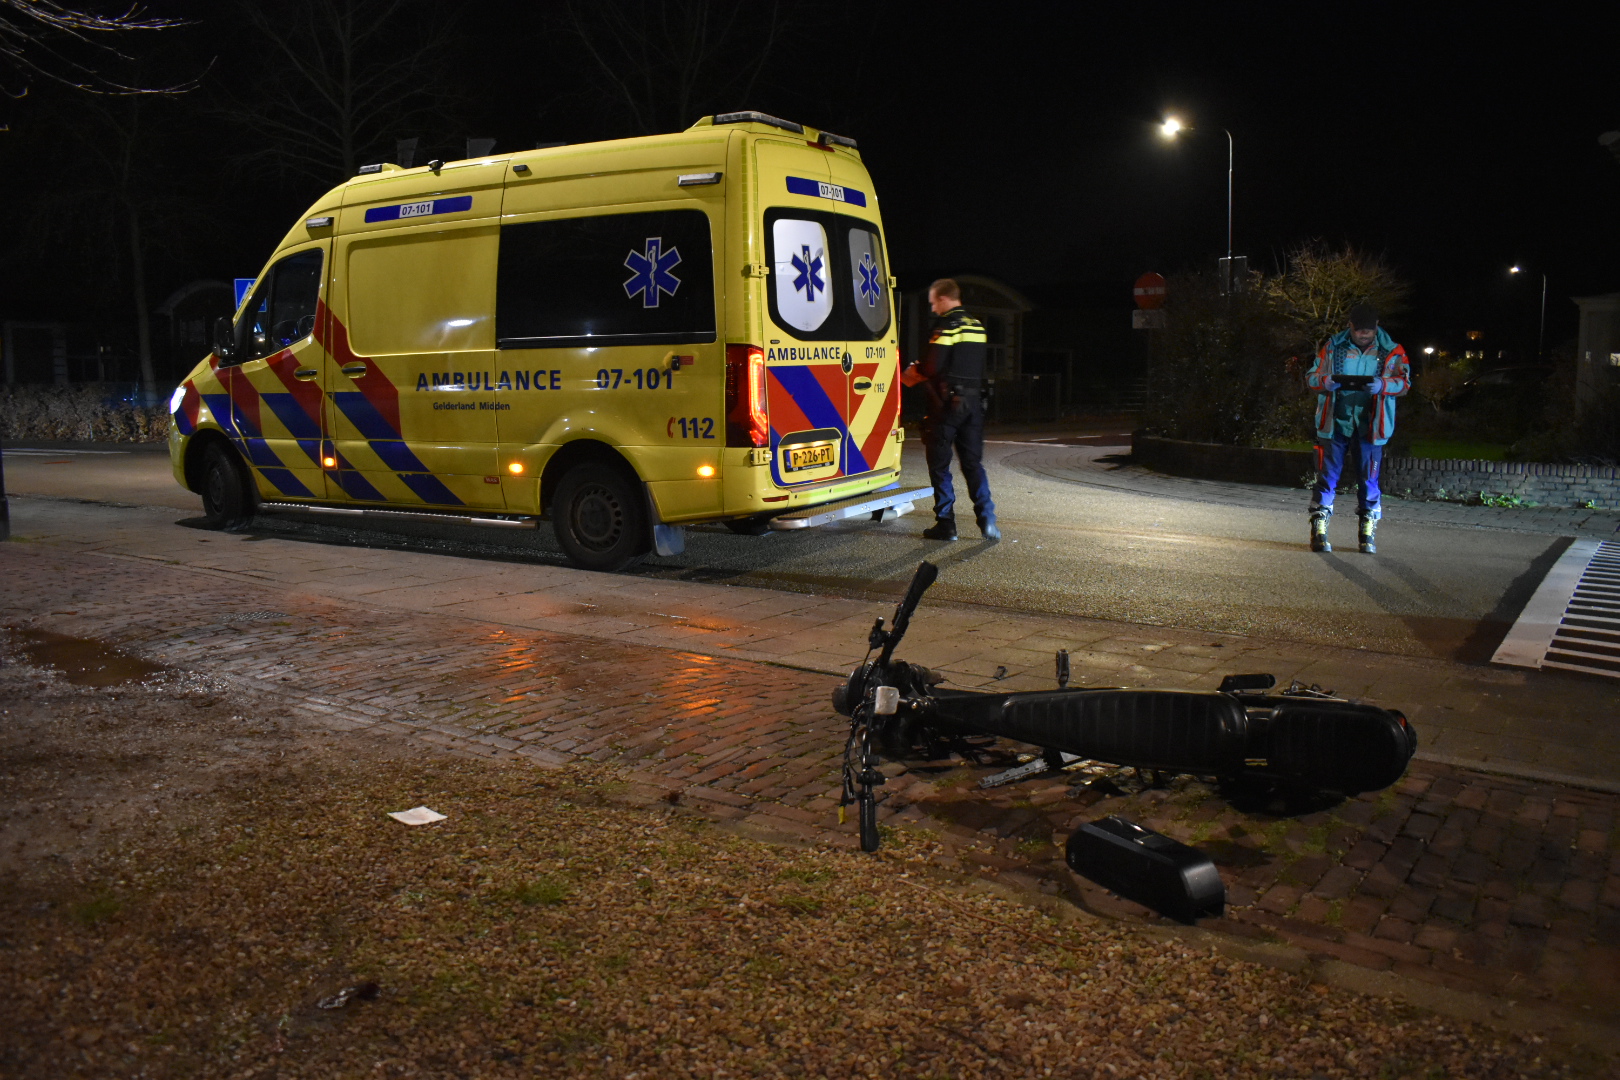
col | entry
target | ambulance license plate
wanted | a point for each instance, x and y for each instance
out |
(814, 456)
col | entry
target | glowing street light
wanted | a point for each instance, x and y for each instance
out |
(1541, 332)
(1172, 127)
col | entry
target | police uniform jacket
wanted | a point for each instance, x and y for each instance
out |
(955, 358)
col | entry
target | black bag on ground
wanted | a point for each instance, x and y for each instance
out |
(1148, 867)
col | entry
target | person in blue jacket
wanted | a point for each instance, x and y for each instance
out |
(1357, 376)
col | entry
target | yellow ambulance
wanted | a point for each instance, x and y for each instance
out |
(627, 337)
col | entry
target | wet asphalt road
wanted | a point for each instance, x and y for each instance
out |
(1237, 564)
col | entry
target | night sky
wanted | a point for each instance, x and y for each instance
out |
(1020, 141)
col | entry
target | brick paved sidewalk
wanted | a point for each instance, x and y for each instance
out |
(1456, 878)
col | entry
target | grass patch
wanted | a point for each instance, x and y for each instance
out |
(97, 909)
(541, 891)
(800, 904)
(1272, 839)
(1031, 846)
(807, 875)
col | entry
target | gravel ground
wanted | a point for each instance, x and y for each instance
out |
(188, 876)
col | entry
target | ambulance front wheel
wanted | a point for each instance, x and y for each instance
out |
(227, 503)
(600, 516)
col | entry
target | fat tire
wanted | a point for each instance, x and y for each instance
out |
(600, 515)
(871, 839)
(226, 496)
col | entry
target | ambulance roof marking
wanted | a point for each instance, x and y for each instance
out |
(821, 189)
(420, 208)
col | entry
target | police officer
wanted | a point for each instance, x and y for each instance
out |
(952, 375)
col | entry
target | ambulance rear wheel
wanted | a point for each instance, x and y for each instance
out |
(226, 501)
(600, 516)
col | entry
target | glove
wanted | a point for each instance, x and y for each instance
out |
(1376, 386)
(1332, 385)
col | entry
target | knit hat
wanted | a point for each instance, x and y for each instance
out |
(1363, 317)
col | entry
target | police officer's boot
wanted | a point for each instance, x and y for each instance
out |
(1368, 535)
(1319, 531)
(942, 529)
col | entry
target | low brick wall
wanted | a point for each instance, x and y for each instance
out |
(1528, 481)
(1418, 478)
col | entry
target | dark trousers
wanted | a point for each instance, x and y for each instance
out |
(960, 429)
(1330, 461)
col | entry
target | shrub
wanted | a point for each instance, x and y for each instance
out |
(1219, 370)
(83, 412)
(1230, 369)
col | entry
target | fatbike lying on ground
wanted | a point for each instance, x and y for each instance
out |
(1298, 742)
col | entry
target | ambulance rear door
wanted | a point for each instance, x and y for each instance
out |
(412, 391)
(829, 391)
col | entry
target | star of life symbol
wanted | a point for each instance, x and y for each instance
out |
(809, 269)
(650, 272)
(871, 290)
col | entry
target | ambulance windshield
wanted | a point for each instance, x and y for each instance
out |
(829, 281)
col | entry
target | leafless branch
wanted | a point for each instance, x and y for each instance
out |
(36, 36)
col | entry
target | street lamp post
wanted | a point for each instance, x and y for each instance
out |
(1541, 329)
(1173, 127)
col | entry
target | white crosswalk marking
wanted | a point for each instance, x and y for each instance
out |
(1573, 621)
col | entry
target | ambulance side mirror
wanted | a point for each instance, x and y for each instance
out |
(224, 338)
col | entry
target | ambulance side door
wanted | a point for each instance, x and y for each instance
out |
(273, 379)
(412, 388)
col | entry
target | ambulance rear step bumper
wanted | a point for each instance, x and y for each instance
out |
(883, 507)
(398, 515)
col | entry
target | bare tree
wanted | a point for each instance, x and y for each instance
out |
(109, 200)
(39, 38)
(341, 80)
(1320, 285)
(664, 63)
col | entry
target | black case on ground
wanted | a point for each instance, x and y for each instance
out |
(1148, 867)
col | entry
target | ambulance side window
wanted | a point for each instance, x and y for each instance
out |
(610, 279)
(802, 271)
(868, 280)
(282, 310)
(294, 289)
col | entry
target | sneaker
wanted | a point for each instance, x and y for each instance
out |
(943, 529)
(988, 529)
(1319, 533)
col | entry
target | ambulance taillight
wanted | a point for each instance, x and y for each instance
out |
(746, 423)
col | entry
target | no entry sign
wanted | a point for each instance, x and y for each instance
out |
(1150, 292)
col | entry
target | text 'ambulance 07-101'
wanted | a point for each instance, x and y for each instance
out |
(627, 337)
